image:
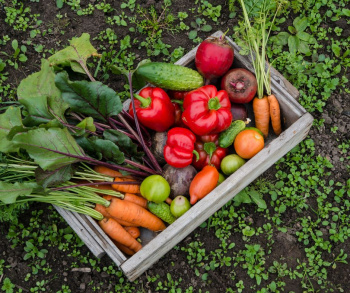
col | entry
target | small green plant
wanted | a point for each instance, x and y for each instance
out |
(297, 39)
(197, 26)
(7, 286)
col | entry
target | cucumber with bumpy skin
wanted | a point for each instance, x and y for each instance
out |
(227, 137)
(170, 76)
(162, 211)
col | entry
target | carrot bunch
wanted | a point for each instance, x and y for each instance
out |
(267, 108)
(125, 213)
(264, 107)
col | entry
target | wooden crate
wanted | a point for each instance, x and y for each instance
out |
(297, 123)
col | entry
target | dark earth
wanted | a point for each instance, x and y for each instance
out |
(86, 278)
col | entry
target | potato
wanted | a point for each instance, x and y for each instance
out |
(179, 179)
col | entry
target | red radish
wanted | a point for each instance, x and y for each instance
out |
(239, 112)
(240, 84)
(214, 57)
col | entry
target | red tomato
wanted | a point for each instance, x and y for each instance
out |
(248, 143)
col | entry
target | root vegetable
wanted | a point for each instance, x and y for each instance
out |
(179, 179)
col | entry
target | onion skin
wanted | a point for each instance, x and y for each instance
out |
(214, 57)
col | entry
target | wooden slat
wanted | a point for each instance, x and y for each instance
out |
(160, 245)
(72, 220)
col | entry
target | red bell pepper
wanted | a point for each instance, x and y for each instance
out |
(154, 109)
(206, 110)
(179, 147)
(210, 153)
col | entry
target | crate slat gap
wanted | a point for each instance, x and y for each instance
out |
(297, 122)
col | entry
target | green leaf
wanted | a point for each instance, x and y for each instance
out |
(49, 148)
(90, 98)
(293, 44)
(282, 38)
(10, 191)
(303, 47)
(206, 28)
(336, 50)
(54, 177)
(241, 197)
(346, 12)
(303, 36)
(59, 4)
(87, 124)
(123, 141)
(300, 24)
(258, 199)
(39, 94)
(14, 44)
(192, 35)
(8, 120)
(79, 51)
(108, 150)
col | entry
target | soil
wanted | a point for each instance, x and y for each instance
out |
(175, 262)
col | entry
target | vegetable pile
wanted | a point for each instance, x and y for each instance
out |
(69, 141)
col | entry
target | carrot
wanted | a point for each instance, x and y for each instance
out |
(127, 188)
(118, 177)
(139, 200)
(275, 113)
(102, 209)
(133, 231)
(203, 183)
(261, 111)
(104, 212)
(133, 213)
(106, 171)
(126, 250)
(114, 230)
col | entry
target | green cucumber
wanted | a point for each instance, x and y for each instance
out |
(162, 211)
(227, 137)
(170, 76)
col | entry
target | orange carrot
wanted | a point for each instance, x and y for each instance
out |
(118, 177)
(133, 231)
(261, 111)
(139, 200)
(114, 230)
(128, 188)
(126, 250)
(275, 113)
(133, 213)
(102, 209)
(104, 212)
(106, 171)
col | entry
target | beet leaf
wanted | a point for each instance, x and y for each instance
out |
(89, 98)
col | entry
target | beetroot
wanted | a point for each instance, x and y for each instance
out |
(239, 112)
(214, 57)
(240, 84)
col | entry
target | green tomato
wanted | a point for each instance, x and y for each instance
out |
(155, 188)
(231, 164)
(179, 206)
(221, 179)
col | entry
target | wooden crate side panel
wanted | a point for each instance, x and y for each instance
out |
(79, 228)
(149, 254)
